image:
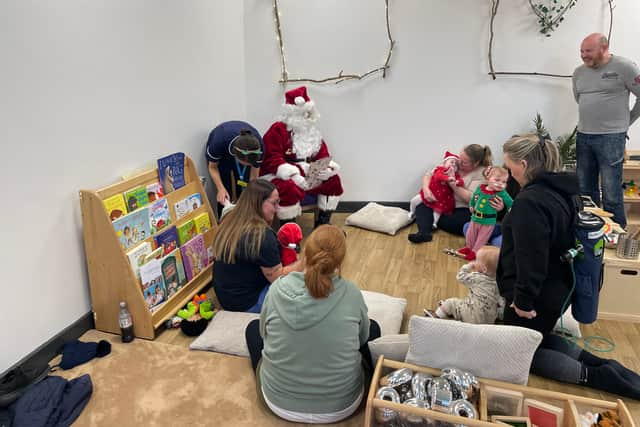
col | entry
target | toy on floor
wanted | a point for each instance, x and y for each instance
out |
(196, 315)
(289, 236)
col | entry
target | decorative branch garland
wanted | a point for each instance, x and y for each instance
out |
(341, 77)
(549, 22)
(493, 73)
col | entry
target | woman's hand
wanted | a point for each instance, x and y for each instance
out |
(497, 203)
(526, 314)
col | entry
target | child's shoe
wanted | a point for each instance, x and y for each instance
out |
(464, 250)
(470, 256)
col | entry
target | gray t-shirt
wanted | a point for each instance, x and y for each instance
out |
(602, 95)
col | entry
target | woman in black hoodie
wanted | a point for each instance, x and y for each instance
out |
(531, 276)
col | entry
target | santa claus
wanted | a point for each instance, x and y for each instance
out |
(291, 146)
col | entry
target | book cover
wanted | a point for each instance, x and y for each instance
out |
(181, 208)
(186, 231)
(167, 239)
(154, 254)
(154, 191)
(132, 228)
(194, 256)
(136, 198)
(159, 216)
(115, 206)
(152, 283)
(543, 414)
(202, 222)
(137, 256)
(171, 172)
(195, 201)
(173, 272)
(312, 176)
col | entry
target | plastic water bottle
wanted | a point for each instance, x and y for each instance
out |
(126, 323)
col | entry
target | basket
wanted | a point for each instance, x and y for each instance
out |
(628, 247)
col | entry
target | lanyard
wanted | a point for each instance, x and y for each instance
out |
(241, 171)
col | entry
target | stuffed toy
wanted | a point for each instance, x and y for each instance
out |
(289, 236)
(196, 315)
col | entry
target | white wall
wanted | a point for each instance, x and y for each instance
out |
(91, 90)
(437, 96)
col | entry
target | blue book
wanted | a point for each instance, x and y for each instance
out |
(171, 172)
(168, 239)
(133, 228)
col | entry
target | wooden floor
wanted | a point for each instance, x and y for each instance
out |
(423, 275)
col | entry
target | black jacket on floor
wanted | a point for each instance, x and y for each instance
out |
(536, 232)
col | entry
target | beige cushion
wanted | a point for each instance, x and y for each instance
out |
(392, 347)
(499, 352)
(225, 333)
(386, 310)
(375, 217)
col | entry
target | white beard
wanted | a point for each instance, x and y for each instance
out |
(306, 137)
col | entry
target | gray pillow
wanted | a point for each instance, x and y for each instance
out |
(375, 217)
(386, 310)
(225, 333)
(498, 352)
(392, 347)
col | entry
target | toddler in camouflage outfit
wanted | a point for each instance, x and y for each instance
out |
(483, 304)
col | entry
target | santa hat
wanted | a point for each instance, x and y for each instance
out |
(449, 155)
(297, 96)
(290, 235)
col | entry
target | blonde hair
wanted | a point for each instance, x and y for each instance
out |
(245, 221)
(324, 252)
(480, 155)
(540, 154)
(497, 169)
(489, 255)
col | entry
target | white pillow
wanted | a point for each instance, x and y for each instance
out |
(569, 325)
(375, 217)
(392, 347)
(498, 352)
(386, 310)
(225, 333)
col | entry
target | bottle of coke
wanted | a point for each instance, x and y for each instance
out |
(126, 323)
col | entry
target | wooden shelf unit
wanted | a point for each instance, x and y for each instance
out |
(631, 171)
(111, 278)
(572, 404)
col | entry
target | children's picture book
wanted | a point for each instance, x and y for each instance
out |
(312, 176)
(137, 256)
(501, 401)
(173, 272)
(195, 201)
(186, 231)
(194, 256)
(115, 206)
(511, 421)
(154, 254)
(159, 216)
(154, 191)
(152, 283)
(136, 198)
(202, 222)
(171, 172)
(133, 228)
(543, 414)
(181, 208)
(167, 239)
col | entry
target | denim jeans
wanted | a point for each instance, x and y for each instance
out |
(602, 155)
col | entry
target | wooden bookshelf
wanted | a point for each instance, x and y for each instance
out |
(631, 171)
(111, 278)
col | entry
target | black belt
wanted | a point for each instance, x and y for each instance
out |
(481, 215)
(306, 159)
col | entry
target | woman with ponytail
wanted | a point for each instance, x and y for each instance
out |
(309, 348)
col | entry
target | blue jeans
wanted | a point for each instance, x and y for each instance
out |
(258, 306)
(602, 155)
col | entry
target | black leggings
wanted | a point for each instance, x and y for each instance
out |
(451, 223)
(255, 345)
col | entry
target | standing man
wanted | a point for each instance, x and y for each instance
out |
(234, 154)
(601, 87)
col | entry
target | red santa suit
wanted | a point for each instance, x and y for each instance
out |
(439, 185)
(290, 145)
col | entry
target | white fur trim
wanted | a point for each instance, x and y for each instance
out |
(286, 212)
(268, 177)
(328, 203)
(333, 165)
(286, 171)
(299, 100)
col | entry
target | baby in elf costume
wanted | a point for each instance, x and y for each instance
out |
(439, 186)
(483, 215)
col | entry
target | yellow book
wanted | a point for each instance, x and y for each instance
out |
(202, 222)
(115, 206)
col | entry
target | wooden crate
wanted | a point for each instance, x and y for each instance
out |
(620, 294)
(572, 405)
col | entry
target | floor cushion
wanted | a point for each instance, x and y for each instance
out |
(225, 333)
(392, 347)
(386, 310)
(498, 352)
(376, 217)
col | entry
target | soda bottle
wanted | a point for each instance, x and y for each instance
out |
(126, 323)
